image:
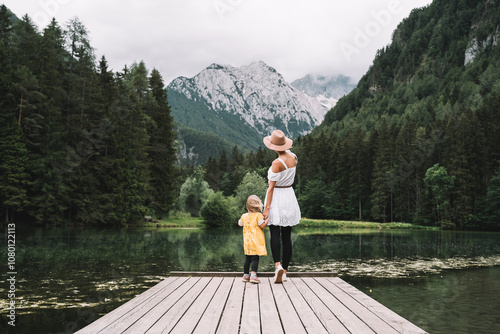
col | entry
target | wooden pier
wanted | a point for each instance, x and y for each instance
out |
(222, 303)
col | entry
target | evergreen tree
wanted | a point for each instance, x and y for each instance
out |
(162, 151)
(490, 121)
(381, 179)
(14, 155)
(126, 163)
(212, 173)
(13, 174)
(464, 158)
(53, 62)
(26, 43)
(5, 25)
(359, 169)
(490, 215)
(107, 84)
(224, 174)
(48, 163)
(260, 158)
(408, 160)
(236, 171)
(313, 199)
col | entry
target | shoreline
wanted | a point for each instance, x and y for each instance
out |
(304, 223)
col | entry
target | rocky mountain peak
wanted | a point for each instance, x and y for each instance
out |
(257, 93)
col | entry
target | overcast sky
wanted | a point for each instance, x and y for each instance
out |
(182, 37)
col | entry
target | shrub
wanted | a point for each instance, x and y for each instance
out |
(219, 211)
(194, 193)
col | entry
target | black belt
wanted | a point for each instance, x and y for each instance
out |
(282, 186)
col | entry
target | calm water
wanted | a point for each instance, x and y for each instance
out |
(445, 282)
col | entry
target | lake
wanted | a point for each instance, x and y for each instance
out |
(443, 281)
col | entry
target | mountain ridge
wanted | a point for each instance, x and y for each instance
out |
(256, 92)
(242, 104)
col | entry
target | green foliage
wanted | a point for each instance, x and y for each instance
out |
(439, 186)
(489, 214)
(252, 184)
(382, 185)
(13, 174)
(313, 200)
(194, 193)
(219, 211)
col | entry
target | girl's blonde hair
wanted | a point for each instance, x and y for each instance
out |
(254, 204)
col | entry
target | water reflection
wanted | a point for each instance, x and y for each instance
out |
(455, 301)
(69, 277)
(394, 254)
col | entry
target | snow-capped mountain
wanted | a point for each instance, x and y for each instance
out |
(256, 95)
(327, 90)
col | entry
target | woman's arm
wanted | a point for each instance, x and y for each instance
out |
(275, 168)
(269, 196)
(264, 224)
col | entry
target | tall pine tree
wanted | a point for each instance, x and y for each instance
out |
(162, 150)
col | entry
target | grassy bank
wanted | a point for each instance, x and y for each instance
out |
(306, 222)
(178, 222)
(191, 222)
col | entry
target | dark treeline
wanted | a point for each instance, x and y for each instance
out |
(79, 143)
(418, 139)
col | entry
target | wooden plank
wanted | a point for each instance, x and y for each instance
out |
(162, 319)
(392, 318)
(270, 321)
(141, 322)
(311, 322)
(250, 314)
(346, 317)
(151, 312)
(323, 304)
(210, 319)
(192, 316)
(230, 320)
(372, 320)
(239, 274)
(170, 283)
(324, 314)
(288, 315)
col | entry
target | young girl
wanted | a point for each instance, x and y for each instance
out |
(253, 238)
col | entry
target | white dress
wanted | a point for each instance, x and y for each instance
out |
(284, 210)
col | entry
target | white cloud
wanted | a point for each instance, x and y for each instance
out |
(181, 37)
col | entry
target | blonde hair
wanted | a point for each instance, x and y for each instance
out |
(254, 204)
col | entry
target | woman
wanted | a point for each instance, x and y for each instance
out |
(281, 206)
